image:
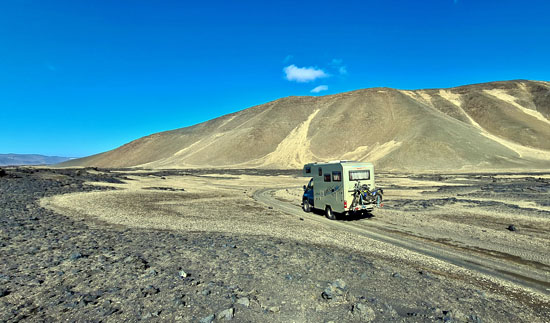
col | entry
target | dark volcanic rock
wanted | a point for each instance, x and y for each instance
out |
(334, 290)
(512, 227)
(170, 189)
(149, 290)
(59, 268)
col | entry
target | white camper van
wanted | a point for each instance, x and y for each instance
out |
(340, 187)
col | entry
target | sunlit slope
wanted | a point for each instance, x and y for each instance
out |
(491, 125)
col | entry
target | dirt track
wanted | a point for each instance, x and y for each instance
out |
(129, 234)
(515, 270)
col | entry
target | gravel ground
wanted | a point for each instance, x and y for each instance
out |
(82, 268)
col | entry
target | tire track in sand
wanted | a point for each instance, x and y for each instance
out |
(497, 268)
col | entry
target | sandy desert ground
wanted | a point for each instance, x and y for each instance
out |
(210, 245)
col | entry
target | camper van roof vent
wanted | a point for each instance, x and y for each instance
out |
(341, 161)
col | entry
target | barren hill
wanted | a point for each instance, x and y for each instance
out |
(480, 126)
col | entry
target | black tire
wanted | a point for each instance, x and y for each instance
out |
(329, 214)
(306, 206)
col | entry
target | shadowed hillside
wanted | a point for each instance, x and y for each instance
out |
(480, 126)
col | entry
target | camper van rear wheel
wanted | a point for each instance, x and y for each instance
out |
(329, 214)
(305, 206)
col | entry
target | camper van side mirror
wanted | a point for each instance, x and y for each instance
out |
(304, 187)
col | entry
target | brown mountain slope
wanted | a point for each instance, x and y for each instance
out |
(480, 126)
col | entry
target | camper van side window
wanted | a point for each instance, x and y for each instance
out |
(320, 171)
(308, 169)
(327, 177)
(337, 176)
(358, 175)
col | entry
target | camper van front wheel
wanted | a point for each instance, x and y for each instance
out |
(305, 206)
(329, 214)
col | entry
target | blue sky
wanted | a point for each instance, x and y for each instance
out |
(82, 77)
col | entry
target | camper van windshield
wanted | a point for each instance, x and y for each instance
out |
(357, 175)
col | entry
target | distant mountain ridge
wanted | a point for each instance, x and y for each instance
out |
(30, 159)
(480, 126)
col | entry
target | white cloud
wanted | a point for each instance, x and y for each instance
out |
(343, 70)
(338, 64)
(303, 74)
(319, 89)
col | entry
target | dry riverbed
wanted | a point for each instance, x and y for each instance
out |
(113, 245)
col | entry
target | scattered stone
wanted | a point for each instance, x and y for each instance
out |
(2, 172)
(425, 274)
(339, 284)
(137, 261)
(227, 314)
(334, 290)
(244, 301)
(363, 312)
(457, 315)
(179, 301)
(301, 219)
(447, 316)
(152, 273)
(91, 298)
(274, 309)
(75, 256)
(206, 292)
(151, 315)
(396, 275)
(208, 319)
(149, 290)
(4, 292)
(327, 293)
(183, 274)
(512, 227)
